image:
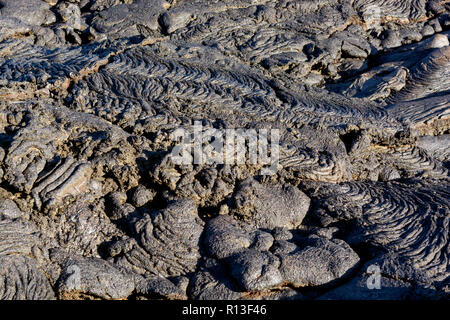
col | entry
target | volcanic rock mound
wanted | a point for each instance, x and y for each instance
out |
(118, 178)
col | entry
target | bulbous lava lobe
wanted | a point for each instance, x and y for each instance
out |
(92, 204)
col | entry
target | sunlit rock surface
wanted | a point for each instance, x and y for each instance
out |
(354, 205)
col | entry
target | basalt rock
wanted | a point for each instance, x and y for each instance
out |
(91, 277)
(269, 206)
(22, 280)
(177, 227)
(382, 216)
(337, 113)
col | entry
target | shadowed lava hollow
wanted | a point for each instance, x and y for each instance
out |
(92, 206)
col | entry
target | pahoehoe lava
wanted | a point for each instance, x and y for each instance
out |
(94, 206)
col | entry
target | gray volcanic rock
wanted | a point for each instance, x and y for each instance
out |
(93, 277)
(10, 27)
(319, 261)
(158, 287)
(384, 218)
(255, 270)
(80, 229)
(31, 12)
(437, 146)
(22, 280)
(307, 262)
(263, 149)
(9, 209)
(224, 236)
(357, 289)
(270, 206)
(141, 196)
(213, 283)
(128, 18)
(171, 237)
(386, 278)
(19, 236)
